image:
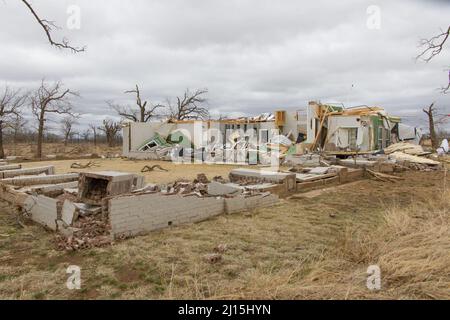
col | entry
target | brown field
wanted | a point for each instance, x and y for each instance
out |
(314, 247)
(28, 150)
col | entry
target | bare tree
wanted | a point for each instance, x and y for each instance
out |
(11, 102)
(189, 106)
(48, 26)
(110, 128)
(85, 134)
(67, 124)
(144, 112)
(17, 126)
(49, 99)
(94, 132)
(430, 111)
(434, 46)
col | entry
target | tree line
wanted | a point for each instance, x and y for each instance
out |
(47, 100)
(50, 100)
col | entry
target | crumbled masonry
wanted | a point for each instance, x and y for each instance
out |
(93, 209)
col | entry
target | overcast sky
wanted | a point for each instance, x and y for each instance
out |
(253, 55)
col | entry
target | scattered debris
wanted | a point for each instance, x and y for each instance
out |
(78, 165)
(400, 156)
(443, 148)
(201, 177)
(384, 177)
(213, 258)
(89, 232)
(151, 168)
(405, 147)
(221, 248)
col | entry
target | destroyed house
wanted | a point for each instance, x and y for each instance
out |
(327, 127)
(362, 129)
(163, 140)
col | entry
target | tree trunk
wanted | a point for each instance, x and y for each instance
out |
(40, 137)
(433, 137)
(15, 140)
(66, 139)
(2, 151)
(434, 142)
(142, 114)
(110, 139)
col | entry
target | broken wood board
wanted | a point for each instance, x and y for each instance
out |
(411, 158)
(408, 148)
(306, 177)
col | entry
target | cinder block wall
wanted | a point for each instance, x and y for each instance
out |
(131, 215)
(138, 214)
(240, 203)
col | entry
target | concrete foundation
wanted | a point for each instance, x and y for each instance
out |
(261, 176)
(34, 180)
(48, 170)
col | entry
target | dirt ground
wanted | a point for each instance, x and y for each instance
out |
(175, 171)
(280, 252)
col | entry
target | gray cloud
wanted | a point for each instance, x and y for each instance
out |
(253, 56)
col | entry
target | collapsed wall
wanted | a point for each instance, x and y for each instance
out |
(131, 214)
(92, 208)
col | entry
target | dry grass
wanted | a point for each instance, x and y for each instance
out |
(28, 150)
(411, 246)
(294, 250)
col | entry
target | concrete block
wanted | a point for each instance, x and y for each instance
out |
(53, 189)
(5, 167)
(95, 186)
(35, 180)
(48, 170)
(240, 203)
(43, 210)
(319, 170)
(143, 213)
(68, 212)
(307, 160)
(219, 189)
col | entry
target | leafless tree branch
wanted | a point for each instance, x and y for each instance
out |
(11, 103)
(111, 129)
(48, 26)
(433, 46)
(145, 110)
(50, 99)
(189, 106)
(67, 125)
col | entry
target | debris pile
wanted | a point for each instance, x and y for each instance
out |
(79, 165)
(87, 232)
(405, 147)
(91, 209)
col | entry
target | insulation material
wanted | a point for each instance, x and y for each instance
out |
(411, 158)
(405, 147)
